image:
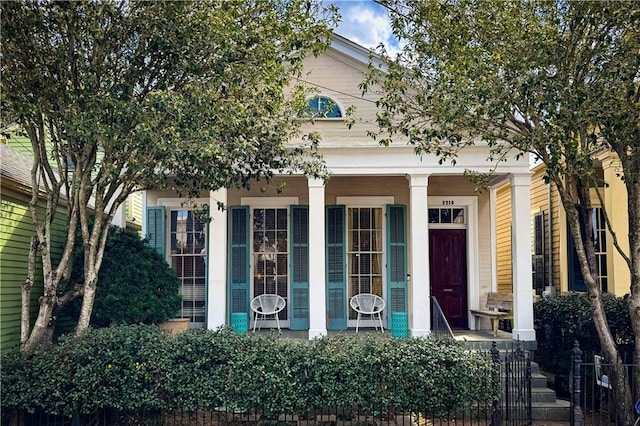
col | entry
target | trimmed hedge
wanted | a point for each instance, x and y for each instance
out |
(134, 368)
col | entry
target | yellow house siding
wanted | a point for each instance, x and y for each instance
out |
(503, 239)
(616, 205)
(556, 246)
(540, 205)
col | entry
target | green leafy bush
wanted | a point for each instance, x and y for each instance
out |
(117, 367)
(135, 368)
(564, 319)
(135, 284)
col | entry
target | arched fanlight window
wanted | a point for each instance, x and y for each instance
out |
(323, 107)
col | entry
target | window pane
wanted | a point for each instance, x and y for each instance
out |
(458, 216)
(258, 219)
(282, 218)
(270, 219)
(445, 215)
(434, 215)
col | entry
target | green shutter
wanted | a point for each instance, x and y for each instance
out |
(396, 259)
(299, 249)
(239, 284)
(156, 229)
(336, 269)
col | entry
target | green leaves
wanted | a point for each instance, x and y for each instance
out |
(137, 368)
(530, 75)
(137, 286)
(561, 320)
(185, 95)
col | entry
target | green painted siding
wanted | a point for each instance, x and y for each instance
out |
(20, 143)
(16, 230)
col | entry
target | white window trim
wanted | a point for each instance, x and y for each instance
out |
(269, 201)
(276, 203)
(375, 201)
(176, 204)
(372, 202)
(172, 204)
(183, 203)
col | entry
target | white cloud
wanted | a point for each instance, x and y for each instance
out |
(366, 23)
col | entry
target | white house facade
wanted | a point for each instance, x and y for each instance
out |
(387, 222)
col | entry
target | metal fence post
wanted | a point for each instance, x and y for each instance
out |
(576, 362)
(496, 413)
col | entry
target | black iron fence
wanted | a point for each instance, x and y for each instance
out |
(594, 399)
(511, 375)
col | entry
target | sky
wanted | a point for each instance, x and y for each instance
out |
(366, 23)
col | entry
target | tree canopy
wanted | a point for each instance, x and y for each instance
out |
(122, 96)
(557, 79)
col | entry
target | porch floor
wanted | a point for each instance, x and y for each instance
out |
(459, 335)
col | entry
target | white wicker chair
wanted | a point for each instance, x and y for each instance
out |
(265, 305)
(368, 304)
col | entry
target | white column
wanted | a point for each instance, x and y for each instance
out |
(317, 280)
(419, 287)
(521, 257)
(145, 226)
(120, 218)
(217, 261)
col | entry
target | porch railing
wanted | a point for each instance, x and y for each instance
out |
(439, 324)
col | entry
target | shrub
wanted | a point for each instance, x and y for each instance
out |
(134, 368)
(564, 319)
(135, 284)
(117, 367)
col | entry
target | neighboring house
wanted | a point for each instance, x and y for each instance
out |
(387, 222)
(16, 230)
(553, 251)
(554, 260)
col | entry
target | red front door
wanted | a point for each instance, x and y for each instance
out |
(448, 265)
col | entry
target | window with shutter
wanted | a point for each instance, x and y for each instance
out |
(299, 299)
(335, 270)
(396, 259)
(539, 275)
(239, 259)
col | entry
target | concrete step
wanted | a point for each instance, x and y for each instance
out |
(544, 404)
(537, 395)
(543, 395)
(538, 380)
(559, 410)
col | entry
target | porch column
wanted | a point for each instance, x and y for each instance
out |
(521, 257)
(317, 281)
(217, 261)
(419, 287)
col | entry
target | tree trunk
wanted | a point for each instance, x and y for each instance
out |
(42, 332)
(26, 287)
(87, 303)
(576, 201)
(633, 193)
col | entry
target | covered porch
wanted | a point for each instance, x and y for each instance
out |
(386, 222)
